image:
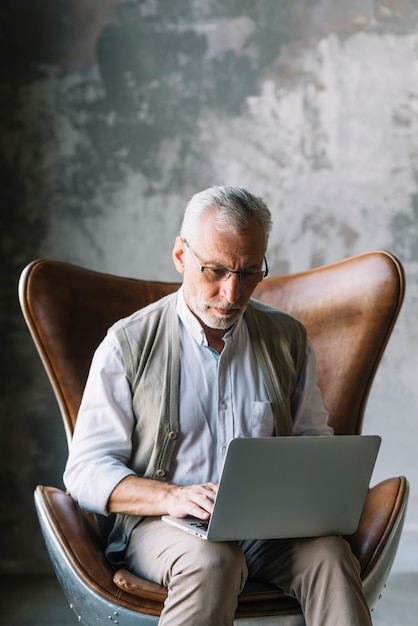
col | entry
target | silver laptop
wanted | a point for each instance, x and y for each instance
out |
(289, 487)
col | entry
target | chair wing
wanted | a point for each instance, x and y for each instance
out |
(68, 310)
(349, 309)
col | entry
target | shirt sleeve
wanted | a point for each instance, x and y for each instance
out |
(309, 414)
(101, 447)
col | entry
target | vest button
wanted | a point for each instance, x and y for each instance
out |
(172, 434)
(160, 473)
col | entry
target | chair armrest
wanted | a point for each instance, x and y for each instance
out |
(61, 517)
(76, 533)
(385, 504)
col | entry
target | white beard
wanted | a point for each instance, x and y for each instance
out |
(219, 322)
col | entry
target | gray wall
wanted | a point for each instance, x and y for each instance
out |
(114, 112)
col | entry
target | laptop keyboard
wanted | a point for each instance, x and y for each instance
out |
(200, 525)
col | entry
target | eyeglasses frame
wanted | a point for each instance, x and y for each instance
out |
(228, 272)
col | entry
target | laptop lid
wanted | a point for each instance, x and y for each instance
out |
(289, 487)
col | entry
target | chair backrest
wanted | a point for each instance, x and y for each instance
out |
(349, 309)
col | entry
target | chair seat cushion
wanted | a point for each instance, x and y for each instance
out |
(255, 600)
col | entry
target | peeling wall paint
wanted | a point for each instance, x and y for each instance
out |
(115, 112)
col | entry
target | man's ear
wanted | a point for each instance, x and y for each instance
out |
(178, 255)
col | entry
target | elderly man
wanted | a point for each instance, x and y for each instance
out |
(168, 388)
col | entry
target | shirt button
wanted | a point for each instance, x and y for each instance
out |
(172, 435)
(160, 473)
(223, 405)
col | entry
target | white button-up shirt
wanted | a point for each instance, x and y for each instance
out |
(222, 396)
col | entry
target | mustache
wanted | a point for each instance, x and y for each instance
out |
(226, 306)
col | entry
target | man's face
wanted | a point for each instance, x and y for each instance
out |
(219, 304)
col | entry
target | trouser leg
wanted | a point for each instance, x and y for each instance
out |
(203, 578)
(321, 573)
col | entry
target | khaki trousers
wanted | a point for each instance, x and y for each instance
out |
(204, 578)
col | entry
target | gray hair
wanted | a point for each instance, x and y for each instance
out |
(233, 207)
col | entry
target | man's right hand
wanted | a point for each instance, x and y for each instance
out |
(142, 496)
(196, 500)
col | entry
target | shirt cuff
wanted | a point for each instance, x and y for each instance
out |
(93, 496)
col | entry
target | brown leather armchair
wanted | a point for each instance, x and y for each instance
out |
(349, 309)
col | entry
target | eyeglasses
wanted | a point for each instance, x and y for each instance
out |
(216, 274)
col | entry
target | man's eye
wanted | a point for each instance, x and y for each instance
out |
(219, 273)
(215, 274)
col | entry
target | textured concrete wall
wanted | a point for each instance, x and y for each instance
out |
(114, 112)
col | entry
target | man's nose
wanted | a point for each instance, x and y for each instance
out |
(231, 288)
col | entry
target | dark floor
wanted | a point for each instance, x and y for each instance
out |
(44, 602)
